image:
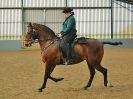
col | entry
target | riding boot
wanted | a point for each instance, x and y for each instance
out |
(69, 57)
(72, 53)
(67, 52)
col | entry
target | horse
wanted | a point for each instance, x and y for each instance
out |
(92, 52)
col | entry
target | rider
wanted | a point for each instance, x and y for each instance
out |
(68, 34)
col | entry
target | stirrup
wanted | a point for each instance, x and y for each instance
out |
(69, 62)
(65, 61)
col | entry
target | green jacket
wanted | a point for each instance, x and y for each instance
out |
(69, 25)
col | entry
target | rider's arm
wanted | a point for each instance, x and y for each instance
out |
(69, 25)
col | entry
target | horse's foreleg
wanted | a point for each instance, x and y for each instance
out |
(56, 79)
(92, 73)
(48, 70)
(104, 72)
(46, 76)
(52, 78)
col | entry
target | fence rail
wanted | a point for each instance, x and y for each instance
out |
(95, 19)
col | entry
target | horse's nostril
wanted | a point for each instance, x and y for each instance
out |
(26, 45)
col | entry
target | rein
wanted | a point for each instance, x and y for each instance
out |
(47, 46)
(38, 40)
(35, 38)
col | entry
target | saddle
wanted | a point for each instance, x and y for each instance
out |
(80, 40)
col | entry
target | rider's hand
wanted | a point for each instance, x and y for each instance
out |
(58, 34)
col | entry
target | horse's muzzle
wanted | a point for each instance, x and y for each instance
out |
(27, 45)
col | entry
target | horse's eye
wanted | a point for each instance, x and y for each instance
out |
(28, 33)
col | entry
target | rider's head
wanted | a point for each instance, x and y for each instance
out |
(67, 11)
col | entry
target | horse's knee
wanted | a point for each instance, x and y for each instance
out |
(92, 71)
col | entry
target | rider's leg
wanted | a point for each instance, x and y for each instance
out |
(69, 40)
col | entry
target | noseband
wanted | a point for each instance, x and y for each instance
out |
(34, 37)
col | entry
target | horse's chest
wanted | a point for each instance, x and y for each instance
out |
(44, 57)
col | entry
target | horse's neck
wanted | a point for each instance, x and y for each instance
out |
(44, 38)
(43, 42)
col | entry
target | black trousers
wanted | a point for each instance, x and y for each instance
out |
(66, 45)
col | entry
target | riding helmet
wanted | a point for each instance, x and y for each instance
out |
(66, 10)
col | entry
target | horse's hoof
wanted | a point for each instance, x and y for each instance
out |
(110, 85)
(40, 90)
(86, 87)
(58, 79)
(106, 84)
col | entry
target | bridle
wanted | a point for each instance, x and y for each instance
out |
(35, 39)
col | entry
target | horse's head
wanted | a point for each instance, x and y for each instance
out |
(38, 31)
(30, 36)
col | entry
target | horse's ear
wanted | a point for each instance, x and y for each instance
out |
(34, 25)
(29, 24)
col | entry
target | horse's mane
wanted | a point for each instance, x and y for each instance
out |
(46, 29)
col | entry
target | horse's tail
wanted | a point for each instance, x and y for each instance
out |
(112, 43)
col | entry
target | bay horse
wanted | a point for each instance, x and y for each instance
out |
(92, 52)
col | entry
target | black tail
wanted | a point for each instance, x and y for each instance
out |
(113, 43)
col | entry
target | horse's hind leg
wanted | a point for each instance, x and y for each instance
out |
(92, 73)
(104, 72)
